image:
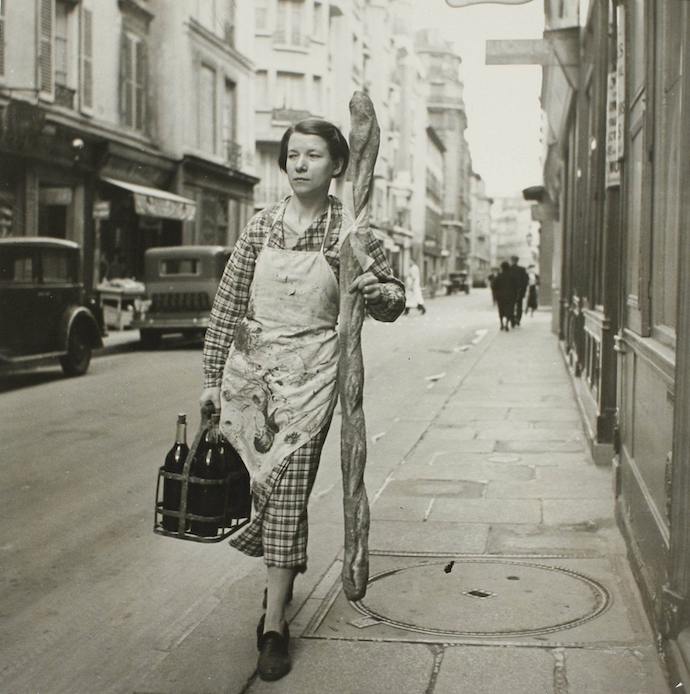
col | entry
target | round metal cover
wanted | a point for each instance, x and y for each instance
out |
(483, 597)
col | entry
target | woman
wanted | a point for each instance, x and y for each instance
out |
(271, 358)
(505, 295)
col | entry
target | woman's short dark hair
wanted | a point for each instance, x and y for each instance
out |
(337, 144)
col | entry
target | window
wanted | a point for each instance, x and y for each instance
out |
(133, 80)
(56, 267)
(61, 44)
(291, 29)
(261, 14)
(318, 21)
(232, 149)
(179, 266)
(218, 16)
(290, 91)
(207, 109)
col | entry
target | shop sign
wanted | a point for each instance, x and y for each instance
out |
(154, 206)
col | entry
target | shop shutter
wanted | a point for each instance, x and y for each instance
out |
(87, 59)
(45, 47)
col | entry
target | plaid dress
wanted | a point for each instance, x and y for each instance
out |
(278, 529)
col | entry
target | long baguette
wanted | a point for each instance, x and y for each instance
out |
(364, 144)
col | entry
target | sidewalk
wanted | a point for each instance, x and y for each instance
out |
(496, 566)
(496, 563)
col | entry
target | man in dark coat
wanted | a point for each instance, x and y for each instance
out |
(521, 282)
(505, 294)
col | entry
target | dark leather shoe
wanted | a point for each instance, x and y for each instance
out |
(274, 659)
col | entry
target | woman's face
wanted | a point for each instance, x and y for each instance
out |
(309, 165)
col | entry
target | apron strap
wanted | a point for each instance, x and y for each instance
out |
(328, 224)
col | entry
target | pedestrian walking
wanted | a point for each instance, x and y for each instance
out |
(532, 292)
(521, 281)
(413, 285)
(505, 293)
(271, 359)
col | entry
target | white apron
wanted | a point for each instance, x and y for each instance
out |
(279, 381)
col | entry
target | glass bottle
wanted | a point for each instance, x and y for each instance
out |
(239, 493)
(208, 500)
(174, 462)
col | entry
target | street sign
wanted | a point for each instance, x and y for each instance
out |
(101, 209)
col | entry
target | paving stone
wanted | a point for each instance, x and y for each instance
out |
(601, 537)
(615, 671)
(540, 446)
(495, 670)
(404, 536)
(554, 414)
(348, 667)
(563, 488)
(528, 434)
(486, 511)
(440, 469)
(561, 511)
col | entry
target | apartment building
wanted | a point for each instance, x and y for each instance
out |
(93, 148)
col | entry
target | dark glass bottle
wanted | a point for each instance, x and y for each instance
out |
(174, 462)
(239, 494)
(208, 500)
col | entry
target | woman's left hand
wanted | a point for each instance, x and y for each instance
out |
(368, 285)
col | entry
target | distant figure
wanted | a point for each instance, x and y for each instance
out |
(532, 293)
(413, 286)
(521, 281)
(505, 294)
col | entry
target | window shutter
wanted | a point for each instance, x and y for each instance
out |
(140, 87)
(45, 47)
(87, 59)
(125, 80)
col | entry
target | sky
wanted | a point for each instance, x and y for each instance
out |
(502, 101)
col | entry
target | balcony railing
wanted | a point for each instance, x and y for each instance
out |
(289, 115)
(233, 154)
(64, 96)
(291, 38)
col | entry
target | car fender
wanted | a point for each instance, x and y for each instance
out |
(79, 315)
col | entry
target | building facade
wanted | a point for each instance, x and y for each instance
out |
(618, 104)
(92, 146)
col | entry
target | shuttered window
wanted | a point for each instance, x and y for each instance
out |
(46, 28)
(87, 58)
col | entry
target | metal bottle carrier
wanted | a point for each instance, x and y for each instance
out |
(227, 525)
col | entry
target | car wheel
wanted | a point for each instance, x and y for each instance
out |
(76, 361)
(150, 339)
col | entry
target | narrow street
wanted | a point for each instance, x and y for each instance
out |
(92, 598)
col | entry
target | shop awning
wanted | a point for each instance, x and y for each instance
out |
(153, 202)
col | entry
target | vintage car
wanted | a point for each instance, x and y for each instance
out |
(457, 282)
(181, 283)
(43, 312)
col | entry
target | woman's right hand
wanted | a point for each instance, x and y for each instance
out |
(211, 395)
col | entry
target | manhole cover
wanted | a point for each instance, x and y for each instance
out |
(483, 597)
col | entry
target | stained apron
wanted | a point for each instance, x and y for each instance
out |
(279, 381)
